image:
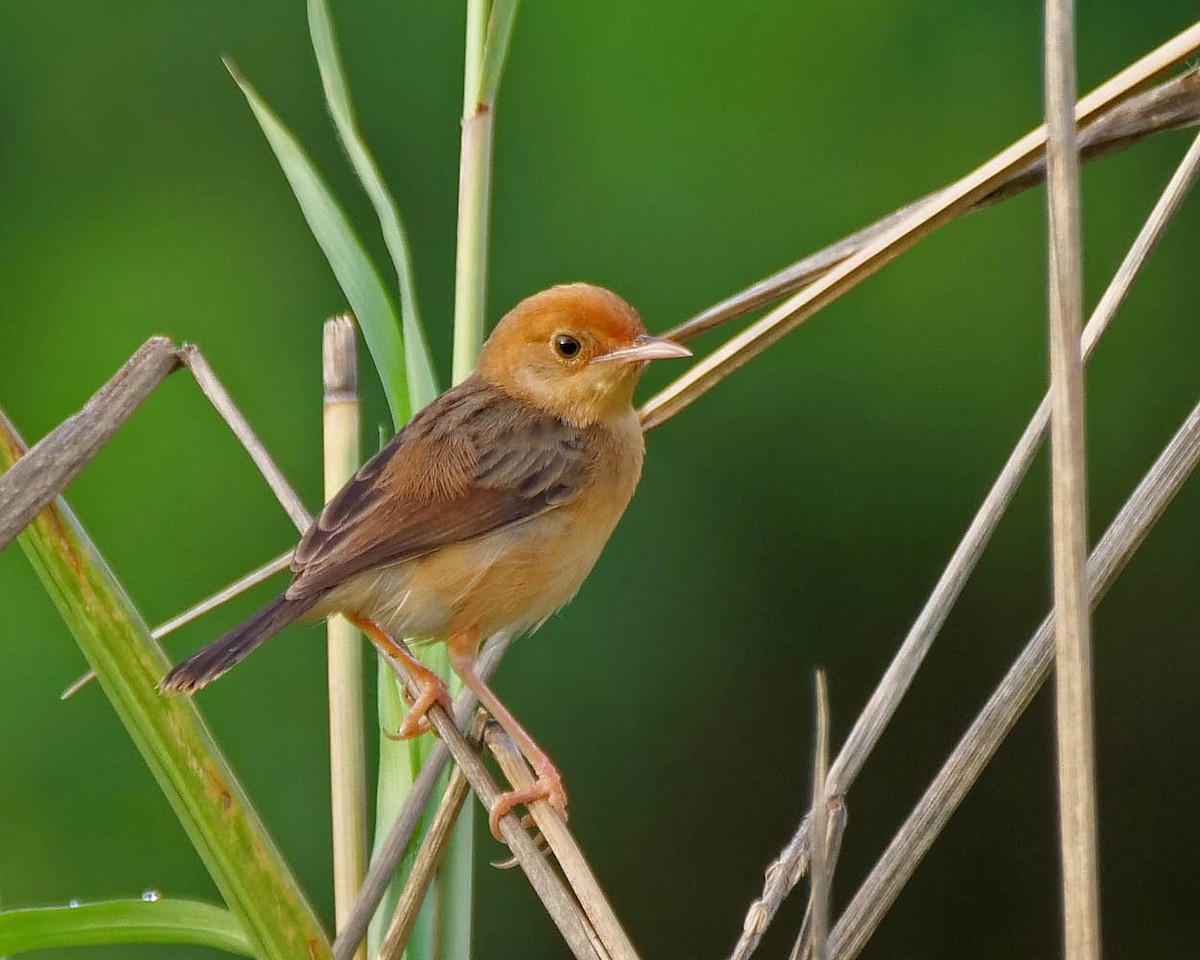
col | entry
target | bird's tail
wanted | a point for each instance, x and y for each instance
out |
(209, 662)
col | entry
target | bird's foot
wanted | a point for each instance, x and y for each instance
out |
(548, 787)
(416, 721)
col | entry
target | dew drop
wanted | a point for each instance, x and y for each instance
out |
(151, 896)
(72, 903)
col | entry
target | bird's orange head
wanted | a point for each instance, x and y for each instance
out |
(574, 350)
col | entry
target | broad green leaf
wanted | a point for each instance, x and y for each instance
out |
(172, 737)
(355, 272)
(422, 379)
(122, 921)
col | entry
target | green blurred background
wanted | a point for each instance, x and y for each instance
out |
(796, 517)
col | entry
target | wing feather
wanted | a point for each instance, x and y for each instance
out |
(473, 461)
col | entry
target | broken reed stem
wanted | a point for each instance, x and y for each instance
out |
(820, 875)
(833, 847)
(790, 865)
(429, 854)
(898, 238)
(51, 463)
(603, 919)
(1074, 706)
(1125, 534)
(347, 739)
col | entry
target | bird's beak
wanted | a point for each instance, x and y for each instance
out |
(643, 348)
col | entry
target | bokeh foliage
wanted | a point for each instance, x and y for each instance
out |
(796, 516)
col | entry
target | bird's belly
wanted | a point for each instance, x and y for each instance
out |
(507, 581)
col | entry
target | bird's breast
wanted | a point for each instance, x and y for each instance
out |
(512, 579)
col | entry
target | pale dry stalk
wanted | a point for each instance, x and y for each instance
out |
(1074, 708)
(347, 740)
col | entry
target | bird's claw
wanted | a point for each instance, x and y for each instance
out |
(416, 721)
(548, 787)
(539, 841)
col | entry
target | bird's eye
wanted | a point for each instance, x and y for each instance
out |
(566, 345)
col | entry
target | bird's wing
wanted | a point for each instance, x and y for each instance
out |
(473, 461)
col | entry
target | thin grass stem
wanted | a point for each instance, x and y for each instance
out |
(818, 865)
(900, 237)
(218, 396)
(1125, 534)
(225, 594)
(791, 863)
(1172, 105)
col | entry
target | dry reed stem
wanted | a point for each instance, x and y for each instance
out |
(347, 741)
(1074, 706)
(782, 874)
(785, 872)
(899, 237)
(818, 903)
(985, 734)
(562, 844)
(1172, 105)
(51, 463)
(833, 847)
(429, 854)
(387, 859)
(219, 397)
(557, 899)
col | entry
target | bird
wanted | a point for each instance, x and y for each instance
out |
(483, 515)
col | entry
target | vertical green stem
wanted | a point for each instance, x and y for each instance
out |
(454, 888)
(347, 756)
(474, 200)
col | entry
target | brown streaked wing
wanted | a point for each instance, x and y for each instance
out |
(470, 463)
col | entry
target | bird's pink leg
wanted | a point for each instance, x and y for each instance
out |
(462, 646)
(432, 687)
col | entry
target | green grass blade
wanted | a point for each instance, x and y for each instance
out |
(355, 272)
(172, 737)
(422, 378)
(396, 773)
(495, 50)
(122, 921)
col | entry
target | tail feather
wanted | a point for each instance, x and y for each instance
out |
(209, 662)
